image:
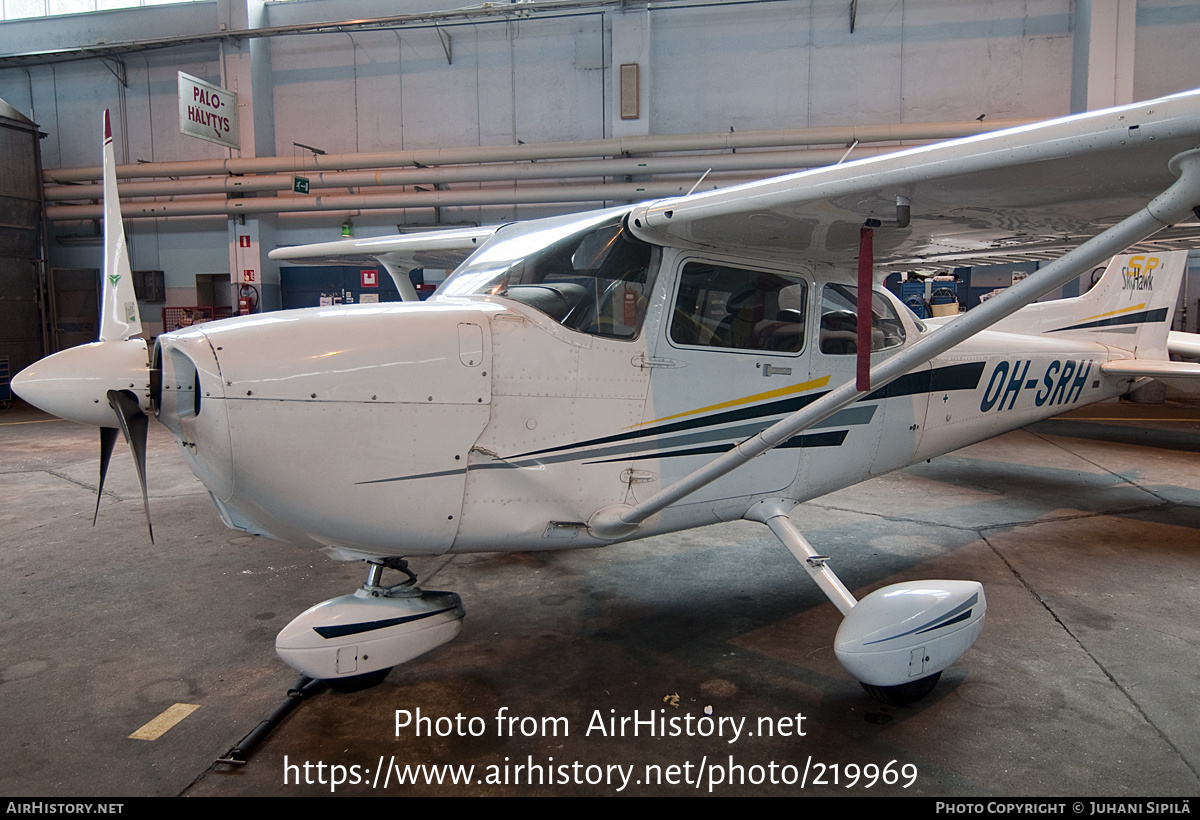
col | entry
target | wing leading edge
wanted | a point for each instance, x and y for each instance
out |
(1049, 185)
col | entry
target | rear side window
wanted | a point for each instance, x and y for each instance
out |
(839, 321)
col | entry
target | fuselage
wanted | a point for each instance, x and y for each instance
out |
(541, 386)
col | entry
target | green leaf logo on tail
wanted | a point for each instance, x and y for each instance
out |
(113, 278)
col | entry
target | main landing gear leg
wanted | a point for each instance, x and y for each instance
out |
(353, 641)
(898, 639)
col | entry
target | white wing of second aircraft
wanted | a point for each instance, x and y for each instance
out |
(398, 254)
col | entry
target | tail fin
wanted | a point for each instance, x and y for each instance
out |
(119, 319)
(1129, 308)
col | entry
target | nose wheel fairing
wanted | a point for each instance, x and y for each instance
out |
(357, 634)
(353, 641)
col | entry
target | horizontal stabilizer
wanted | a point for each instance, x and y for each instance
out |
(1184, 375)
(1184, 345)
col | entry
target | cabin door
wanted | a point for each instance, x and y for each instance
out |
(729, 359)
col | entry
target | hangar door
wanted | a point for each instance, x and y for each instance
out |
(21, 259)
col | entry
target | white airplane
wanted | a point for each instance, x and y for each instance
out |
(595, 378)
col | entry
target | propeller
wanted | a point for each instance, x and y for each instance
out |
(106, 381)
(134, 424)
(119, 321)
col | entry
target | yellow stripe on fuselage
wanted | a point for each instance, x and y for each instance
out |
(770, 394)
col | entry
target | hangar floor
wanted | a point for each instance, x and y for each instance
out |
(1084, 530)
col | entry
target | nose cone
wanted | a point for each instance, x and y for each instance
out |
(73, 384)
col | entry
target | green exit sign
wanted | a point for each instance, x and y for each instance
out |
(299, 185)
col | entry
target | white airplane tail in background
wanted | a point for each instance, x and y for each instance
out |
(119, 319)
(1130, 307)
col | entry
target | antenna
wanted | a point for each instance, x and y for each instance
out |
(697, 185)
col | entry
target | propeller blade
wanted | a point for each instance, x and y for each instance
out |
(134, 424)
(108, 438)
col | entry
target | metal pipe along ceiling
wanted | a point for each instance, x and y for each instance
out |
(691, 164)
(500, 164)
(534, 152)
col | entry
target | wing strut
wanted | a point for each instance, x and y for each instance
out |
(1171, 206)
(404, 285)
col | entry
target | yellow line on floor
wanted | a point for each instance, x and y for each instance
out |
(1117, 418)
(161, 724)
(34, 421)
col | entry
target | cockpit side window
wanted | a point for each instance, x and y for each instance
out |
(721, 306)
(839, 321)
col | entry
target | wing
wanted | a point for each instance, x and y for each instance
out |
(398, 254)
(1037, 190)
(432, 249)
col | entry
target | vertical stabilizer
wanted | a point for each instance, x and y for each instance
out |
(1130, 307)
(119, 319)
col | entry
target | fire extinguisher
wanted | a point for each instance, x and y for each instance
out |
(247, 300)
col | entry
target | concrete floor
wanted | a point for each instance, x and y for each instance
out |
(1086, 681)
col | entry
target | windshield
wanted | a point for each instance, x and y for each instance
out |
(587, 272)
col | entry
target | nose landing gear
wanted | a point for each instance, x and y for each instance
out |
(352, 642)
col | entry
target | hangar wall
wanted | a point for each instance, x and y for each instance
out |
(704, 67)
